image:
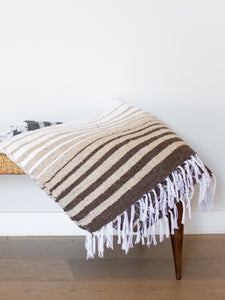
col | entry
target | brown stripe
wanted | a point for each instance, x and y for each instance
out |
(150, 181)
(108, 153)
(97, 130)
(30, 133)
(77, 132)
(82, 128)
(102, 159)
(121, 181)
(130, 183)
(62, 162)
(128, 131)
(107, 164)
(76, 139)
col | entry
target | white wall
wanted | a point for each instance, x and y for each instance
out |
(62, 59)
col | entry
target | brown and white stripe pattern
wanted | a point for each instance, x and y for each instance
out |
(99, 169)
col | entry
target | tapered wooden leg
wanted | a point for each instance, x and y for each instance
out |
(177, 242)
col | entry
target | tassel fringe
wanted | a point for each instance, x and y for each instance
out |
(156, 207)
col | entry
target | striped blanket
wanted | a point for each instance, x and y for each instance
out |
(24, 126)
(125, 170)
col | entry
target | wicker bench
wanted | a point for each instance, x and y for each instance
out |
(7, 167)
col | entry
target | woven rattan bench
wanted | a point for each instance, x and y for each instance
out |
(7, 167)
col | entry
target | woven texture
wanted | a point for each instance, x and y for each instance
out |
(7, 167)
(124, 170)
(24, 126)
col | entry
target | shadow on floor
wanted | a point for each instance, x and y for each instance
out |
(155, 268)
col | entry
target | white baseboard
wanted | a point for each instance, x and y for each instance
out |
(58, 223)
(37, 224)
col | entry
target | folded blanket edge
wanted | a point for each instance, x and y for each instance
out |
(178, 189)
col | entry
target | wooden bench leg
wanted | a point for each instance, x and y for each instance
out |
(177, 242)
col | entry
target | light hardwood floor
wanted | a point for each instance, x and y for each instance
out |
(56, 268)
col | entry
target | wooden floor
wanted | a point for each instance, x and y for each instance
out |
(56, 268)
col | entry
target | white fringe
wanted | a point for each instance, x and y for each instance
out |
(151, 206)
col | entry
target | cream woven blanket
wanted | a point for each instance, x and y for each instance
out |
(125, 170)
